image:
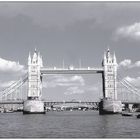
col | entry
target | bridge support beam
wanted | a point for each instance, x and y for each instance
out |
(109, 104)
(34, 104)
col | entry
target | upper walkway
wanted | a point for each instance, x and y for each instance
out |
(71, 70)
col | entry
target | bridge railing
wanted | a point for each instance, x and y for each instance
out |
(71, 68)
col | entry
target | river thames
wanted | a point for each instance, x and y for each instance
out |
(68, 124)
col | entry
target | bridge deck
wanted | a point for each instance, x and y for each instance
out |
(47, 102)
(72, 71)
(130, 102)
(66, 102)
(11, 102)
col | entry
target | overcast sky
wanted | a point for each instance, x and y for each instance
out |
(69, 31)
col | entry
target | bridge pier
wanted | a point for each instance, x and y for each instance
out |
(33, 107)
(109, 104)
(109, 107)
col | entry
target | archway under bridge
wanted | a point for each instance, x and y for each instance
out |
(108, 71)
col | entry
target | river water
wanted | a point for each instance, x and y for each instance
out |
(74, 124)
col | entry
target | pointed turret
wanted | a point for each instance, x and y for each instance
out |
(108, 53)
(41, 62)
(35, 50)
(34, 60)
(104, 55)
(29, 59)
(38, 58)
(104, 59)
(114, 58)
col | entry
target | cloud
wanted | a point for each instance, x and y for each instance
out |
(127, 63)
(137, 63)
(11, 66)
(131, 31)
(83, 89)
(73, 84)
(63, 81)
(74, 90)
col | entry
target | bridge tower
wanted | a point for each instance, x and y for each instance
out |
(34, 76)
(110, 76)
(109, 103)
(33, 104)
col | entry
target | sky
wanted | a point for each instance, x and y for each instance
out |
(73, 32)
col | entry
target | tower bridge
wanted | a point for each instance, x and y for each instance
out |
(108, 71)
(110, 102)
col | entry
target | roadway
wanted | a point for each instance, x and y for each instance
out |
(65, 102)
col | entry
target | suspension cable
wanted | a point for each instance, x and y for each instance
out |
(14, 86)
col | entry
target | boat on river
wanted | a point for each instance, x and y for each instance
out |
(138, 116)
(127, 114)
(8, 111)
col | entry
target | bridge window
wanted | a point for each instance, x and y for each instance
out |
(110, 78)
(33, 86)
(34, 77)
(109, 69)
(110, 85)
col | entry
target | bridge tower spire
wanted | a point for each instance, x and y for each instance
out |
(34, 103)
